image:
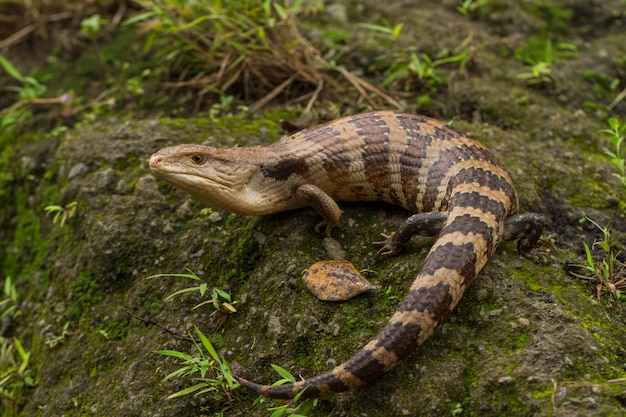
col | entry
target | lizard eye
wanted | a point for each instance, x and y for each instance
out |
(198, 159)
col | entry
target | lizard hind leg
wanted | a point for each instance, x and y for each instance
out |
(526, 228)
(422, 224)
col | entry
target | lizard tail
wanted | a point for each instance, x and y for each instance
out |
(460, 252)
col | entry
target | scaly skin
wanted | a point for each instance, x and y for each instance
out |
(455, 185)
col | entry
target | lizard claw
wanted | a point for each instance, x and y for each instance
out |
(326, 226)
(389, 247)
(384, 242)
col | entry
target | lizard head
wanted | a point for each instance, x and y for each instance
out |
(214, 176)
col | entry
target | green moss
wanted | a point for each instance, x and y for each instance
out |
(265, 125)
(304, 350)
(28, 249)
(543, 394)
(527, 277)
(512, 340)
(85, 292)
(507, 402)
(132, 162)
(152, 303)
(114, 329)
(511, 367)
(556, 18)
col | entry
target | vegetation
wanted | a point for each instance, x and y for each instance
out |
(9, 301)
(30, 91)
(210, 372)
(258, 55)
(220, 300)
(606, 271)
(295, 407)
(616, 135)
(224, 49)
(148, 59)
(541, 69)
(61, 214)
(608, 274)
(15, 375)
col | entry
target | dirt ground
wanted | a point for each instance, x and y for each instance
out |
(528, 339)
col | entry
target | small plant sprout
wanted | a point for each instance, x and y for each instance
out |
(470, 6)
(221, 300)
(616, 135)
(608, 274)
(457, 410)
(295, 407)
(14, 372)
(91, 26)
(61, 214)
(407, 66)
(8, 303)
(541, 71)
(210, 372)
(393, 33)
(53, 341)
(30, 91)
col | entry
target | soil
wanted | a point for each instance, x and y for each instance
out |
(528, 339)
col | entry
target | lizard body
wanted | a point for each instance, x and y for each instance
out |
(456, 187)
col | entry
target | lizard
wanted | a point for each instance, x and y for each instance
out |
(455, 187)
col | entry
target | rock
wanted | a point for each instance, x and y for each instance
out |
(105, 180)
(215, 217)
(337, 12)
(333, 248)
(146, 186)
(274, 327)
(78, 170)
(506, 380)
(184, 211)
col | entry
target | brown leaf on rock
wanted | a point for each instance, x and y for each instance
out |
(335, 281)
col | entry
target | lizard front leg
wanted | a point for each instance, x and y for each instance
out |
(323, 204)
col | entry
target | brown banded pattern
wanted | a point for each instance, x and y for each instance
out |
(457, 185)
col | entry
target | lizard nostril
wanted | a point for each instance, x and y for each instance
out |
(156, 160)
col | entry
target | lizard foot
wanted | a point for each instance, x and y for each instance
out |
(389, 246)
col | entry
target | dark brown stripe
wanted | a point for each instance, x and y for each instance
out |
(410, 164)
(359, 192)
(328, 379)
(447, 159)
(428, 298)
(413, 157)
(404, 339)
(445, 132)
(322, 135)
(337, 162)
(479, 201)
(374, 133)
(466, 224)
(459, 257)
(364, 366)
(484, 177)
(465, 152)
(284, 169)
